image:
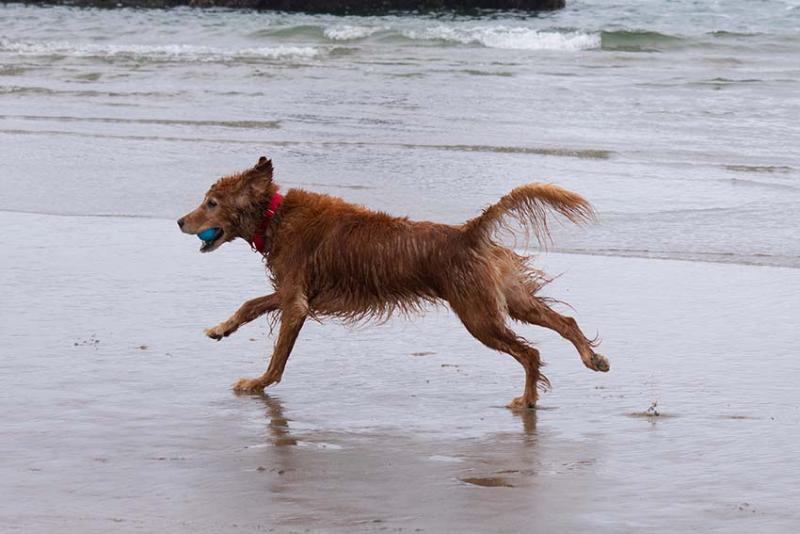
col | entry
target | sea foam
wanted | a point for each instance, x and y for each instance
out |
(513, 38)
(350, 33)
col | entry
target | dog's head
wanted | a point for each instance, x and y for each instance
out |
(232, 207)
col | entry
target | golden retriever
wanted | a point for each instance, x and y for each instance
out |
(328, 257)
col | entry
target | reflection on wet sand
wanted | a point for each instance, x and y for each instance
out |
(278, 426)
(528, 418)
(281, 458)
(499, 460)
(504, 459)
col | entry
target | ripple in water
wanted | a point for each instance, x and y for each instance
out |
(156, 53)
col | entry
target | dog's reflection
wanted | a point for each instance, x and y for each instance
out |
(280, 435)
(280, 458)
(278, 426)
(529, 420)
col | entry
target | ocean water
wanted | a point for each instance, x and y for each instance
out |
(679, 120)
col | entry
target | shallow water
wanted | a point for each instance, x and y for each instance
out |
(679, 126)
(679, 123)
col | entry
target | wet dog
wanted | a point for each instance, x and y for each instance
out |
(330, 258)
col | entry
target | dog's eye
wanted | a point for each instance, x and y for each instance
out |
(211, 204)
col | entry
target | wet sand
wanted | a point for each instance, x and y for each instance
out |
(118, 417)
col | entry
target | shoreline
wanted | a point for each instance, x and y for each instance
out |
(685, 257)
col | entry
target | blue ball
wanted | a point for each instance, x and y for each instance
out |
(208, 234)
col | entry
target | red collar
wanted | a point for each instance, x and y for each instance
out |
(258, 241)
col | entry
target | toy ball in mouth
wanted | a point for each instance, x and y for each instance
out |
(209, 234)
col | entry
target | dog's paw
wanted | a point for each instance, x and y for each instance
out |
(600, 363)
(217, 332)
(522, 403)
(249, 385)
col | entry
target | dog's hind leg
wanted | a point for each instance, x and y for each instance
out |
(249, 311)
(535, 311)
(293, 316)
(492, 331)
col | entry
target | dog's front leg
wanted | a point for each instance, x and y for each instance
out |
(249, 311)
(293, 316)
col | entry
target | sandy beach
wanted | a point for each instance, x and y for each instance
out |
(118, 414)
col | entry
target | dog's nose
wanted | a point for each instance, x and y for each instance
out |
(181, 222)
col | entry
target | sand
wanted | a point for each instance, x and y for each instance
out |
(118, 417)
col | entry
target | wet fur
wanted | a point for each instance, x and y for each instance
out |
(330, 258)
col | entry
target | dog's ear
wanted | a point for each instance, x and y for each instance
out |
(258, 179)
(261, 172)
(264, 164)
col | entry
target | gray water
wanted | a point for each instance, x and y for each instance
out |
(677, 119)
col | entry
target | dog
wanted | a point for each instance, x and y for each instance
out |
(330, 258)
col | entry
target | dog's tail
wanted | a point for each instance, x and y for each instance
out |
(528, 206)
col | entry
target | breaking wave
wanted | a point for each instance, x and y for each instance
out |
(350, 33)
(513, 38)
(490, 36)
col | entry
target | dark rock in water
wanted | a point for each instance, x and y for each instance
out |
(323, 6)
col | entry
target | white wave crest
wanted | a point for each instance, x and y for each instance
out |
(172, 52)
(512, 38)
(349, 33)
